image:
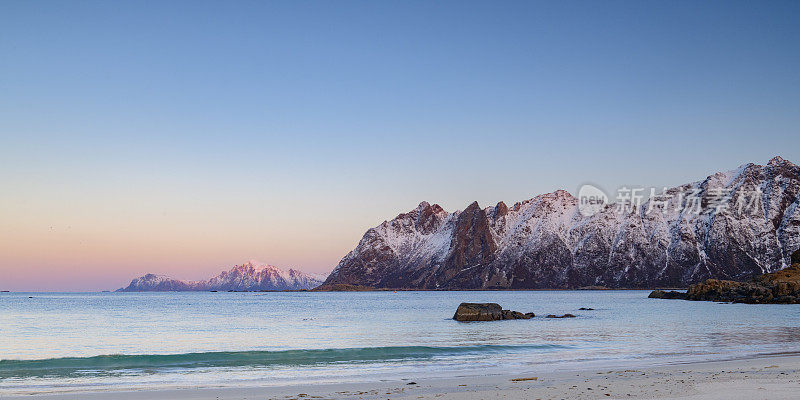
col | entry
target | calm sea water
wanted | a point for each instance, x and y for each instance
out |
(53, 342)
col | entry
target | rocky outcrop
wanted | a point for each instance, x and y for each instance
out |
(249, 276)
(560, 316)
(508, 314)
(486, 312)
(478, 312)
(343, 287)
(545, 242)
(661, 294)
(777, 287)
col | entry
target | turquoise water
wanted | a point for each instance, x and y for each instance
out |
(52, 342)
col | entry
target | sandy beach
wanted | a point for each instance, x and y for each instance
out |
(763, 377)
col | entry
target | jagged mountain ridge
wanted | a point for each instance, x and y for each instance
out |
(250, 276)
(545, 242)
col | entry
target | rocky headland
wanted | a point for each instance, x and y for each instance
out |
(777, 287)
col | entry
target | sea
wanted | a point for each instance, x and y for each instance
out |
(73, 342)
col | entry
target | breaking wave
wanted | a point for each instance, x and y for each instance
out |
(121, 364)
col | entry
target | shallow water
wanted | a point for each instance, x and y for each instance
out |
(79, 341)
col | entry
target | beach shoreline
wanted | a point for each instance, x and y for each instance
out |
(773, 376)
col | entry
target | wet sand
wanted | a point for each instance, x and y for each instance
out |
(764, 377)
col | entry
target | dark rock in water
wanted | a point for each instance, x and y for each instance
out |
(560, 316)
(478, 312)
(486, 312)
(660, 294)
(508, 314)
(586, 309)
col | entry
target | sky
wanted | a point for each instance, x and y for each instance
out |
(184, 137)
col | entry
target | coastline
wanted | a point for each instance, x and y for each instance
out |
(774, 376)
(367, 290)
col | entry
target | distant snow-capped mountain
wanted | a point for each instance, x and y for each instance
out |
(546, 242)
(249, 276)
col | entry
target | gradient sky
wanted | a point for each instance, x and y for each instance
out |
(181, 138)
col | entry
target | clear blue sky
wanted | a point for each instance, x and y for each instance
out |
(180, 137)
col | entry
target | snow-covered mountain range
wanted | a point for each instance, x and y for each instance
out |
(731, 225)
(250, 276)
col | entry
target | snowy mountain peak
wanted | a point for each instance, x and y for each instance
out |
(256, 266)
(731, 225)
(249, 276)
(779, 161)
